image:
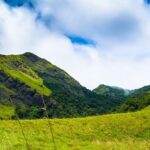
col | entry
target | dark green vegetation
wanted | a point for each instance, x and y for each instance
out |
(136, 100)
(129, 131)
(111, 91)
(116, 94)
(130, 100)
(24, 79)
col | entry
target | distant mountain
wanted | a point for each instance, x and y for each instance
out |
(129, 100)
(136, 100)
(25, 78)
(116, 94)
(140, 91)
(105, 89)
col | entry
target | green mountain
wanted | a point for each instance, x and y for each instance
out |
(26, 79)
(136, 100)
(129, 100)
(116, 94)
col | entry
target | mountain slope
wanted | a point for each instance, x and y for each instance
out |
(15, 67)
(111, 90)
(130, 131)
(129, 100)
(25, 78)
(117, 95)
(136, 100)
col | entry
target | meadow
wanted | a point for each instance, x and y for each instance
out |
(128, 131)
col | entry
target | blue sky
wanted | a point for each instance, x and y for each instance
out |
(97, 42)
(147, 1)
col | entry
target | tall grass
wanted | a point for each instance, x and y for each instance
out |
(130, 131)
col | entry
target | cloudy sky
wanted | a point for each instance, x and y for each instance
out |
(95, 41)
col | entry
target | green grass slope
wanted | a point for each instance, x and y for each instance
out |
(130, 131)
(6, 112)
(14, 66)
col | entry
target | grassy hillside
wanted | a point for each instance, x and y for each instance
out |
(6, 112)
(25, 78)
(130, 131)
(15, 67)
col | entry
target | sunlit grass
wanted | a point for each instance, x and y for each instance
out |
(34, 83)
(6, 112)
(9, 64)
(129, 131)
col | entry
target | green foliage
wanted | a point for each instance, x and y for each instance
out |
(128, 131)
(16, 68)
(27, 77)
(135, 103)
(111, 91)
(34, 83)
(5, 90)
(115, 94)
(129, 100)
(136, 100)
(30, 112)
(6, 112)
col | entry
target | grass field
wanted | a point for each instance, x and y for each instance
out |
(130, 131)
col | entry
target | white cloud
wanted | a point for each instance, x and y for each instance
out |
(121, 30)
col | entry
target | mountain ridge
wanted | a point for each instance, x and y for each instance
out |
(25, 78)
(130, 100)
(29, 77)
